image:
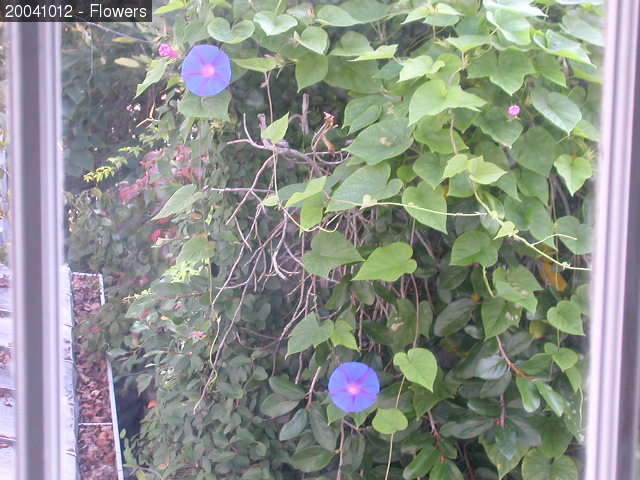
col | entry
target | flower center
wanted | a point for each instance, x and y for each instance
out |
(208, 71)
(353, 388)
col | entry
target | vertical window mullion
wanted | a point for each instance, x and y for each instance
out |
(36, 253)
(614, 337)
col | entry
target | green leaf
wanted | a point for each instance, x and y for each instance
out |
(356, 76)
(474, 247)
(313, 38)
(382, 52)
(352, 44)
(418, 365)
(549, 67)
(454, 317)
(418, 67)
(565, 358)
(529, 394)
(311, 459)
(294, 427)
(466, 428)
(127, 62)
(389, 421)
(585, 26)
(456, 164)
(370, 180)
(273, 24)
(580, 241)
(536, 466)
(557, 108)
(517, 285)
(221, 31)
(276, 131)
(366, 11)
(492, 367)
(275, 405)
(498, 316)
(513, 26)
(313, 187)
(383, 140)
(566, 317)
(428, 201)
(259, 64)
(170, 7)
(156, 71)
(308, 333)
(464, 43)
(388, 263)
(311, 69)
(498, 126)
(179, 202)
(311, 212)
(335, 16)
(430, 168)
(286, 388)
(553, 399)
(507, 71)
(483, 172)
(196, 250)
(343, 335)
(215, 108)
(555, 438)
(434, 96)
(561, 46)
(503, 464)
(421, 464)
(446, 471)
(322, 432)
(574, 170)
(328, 251)
(362, 112)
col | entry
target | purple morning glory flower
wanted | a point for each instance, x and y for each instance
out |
(206, 70)
(354, 387)
(513, 111)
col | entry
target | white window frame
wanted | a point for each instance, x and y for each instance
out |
(36, 248)
(612, 388)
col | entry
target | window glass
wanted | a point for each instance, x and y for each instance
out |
(311, 240)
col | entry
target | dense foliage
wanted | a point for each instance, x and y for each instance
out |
(403, 184)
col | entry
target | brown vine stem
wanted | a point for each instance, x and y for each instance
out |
(503, 412)
(467, 462)
(386, 475)
(341, 461)
(313, 384)
(511, 365)
(434, 428)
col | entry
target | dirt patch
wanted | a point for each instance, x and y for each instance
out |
(96, 447)
(97, 455)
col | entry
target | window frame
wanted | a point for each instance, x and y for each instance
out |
(36, 256)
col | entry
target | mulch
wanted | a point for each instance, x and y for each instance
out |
(96, 447)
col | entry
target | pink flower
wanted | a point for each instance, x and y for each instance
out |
(128, 193)
(513, 111)
(166, 50)
(197, 335)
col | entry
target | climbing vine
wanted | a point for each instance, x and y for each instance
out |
(399, 185)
